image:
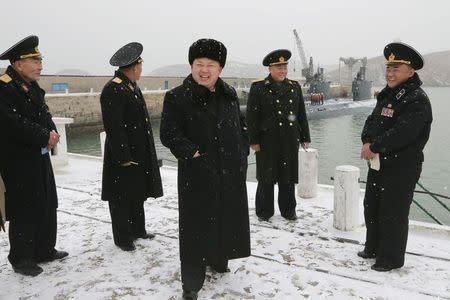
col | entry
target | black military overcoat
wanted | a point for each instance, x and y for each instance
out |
(129, 137)
(213, 205)
(400, 124)
(276, 119)
(25, 125)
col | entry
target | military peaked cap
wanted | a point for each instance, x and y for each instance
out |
(127, 55)
(401, 53)
(24, 49)
(277, 57)
(208, 48)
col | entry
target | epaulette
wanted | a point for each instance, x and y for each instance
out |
(5, 78)
(117, 80)
(258, 80)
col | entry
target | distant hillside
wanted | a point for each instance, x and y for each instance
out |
(232, 69)
(435, 73)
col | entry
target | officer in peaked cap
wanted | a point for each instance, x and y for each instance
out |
(393, 138)
(26, 48)
(401, 53)
(130, 168)
(28, 134)
(128, 55)
(277, 125)
(277, 57)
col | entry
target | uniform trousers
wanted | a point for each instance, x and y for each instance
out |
(193, 273)
(388, 197)
(128, 220)
(265, 199)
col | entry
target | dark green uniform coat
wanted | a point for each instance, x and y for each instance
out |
(129, 137)
(276, 120)
(212, 193)
(25, 125)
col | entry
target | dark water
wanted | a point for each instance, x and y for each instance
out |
(337, 140)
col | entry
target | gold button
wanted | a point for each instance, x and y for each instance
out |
(281, 124)
(290, 124)
(279, 112)
(278, 101)
(290, 100)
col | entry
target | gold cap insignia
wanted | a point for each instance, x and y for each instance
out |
(281, 59)
(33, 54)
(392, 60)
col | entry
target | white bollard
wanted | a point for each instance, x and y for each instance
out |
(307, 173)
(102, 142)
(346, 198)
(59, 153)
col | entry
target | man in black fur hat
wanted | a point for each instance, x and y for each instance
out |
(28, 134)
(130, 167)
(202, 127)
(393, 137)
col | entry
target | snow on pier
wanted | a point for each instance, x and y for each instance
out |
(306, 259)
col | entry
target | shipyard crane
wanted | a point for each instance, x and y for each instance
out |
(350, 62)
(307, 70)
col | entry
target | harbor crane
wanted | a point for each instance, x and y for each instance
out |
(307, 69)
(350, 62)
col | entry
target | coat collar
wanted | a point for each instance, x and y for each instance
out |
(269, 81)
(398, 92)
(125, 80)
(21, 83)
(201, 94)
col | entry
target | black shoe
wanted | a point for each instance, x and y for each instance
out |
(263, 219)
(190, 295)
(290, 217)
(382, 267)
(127, 247)
(367, 254)
(27, 267)
(56, 255)
(145, 236)
(220, 269)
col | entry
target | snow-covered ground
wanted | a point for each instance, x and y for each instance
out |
(306, 259)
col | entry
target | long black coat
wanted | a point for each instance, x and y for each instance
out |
(129, 137)
(276, 119)
(25, 125)
(212, 194)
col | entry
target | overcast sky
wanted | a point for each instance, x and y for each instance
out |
(84, 34)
